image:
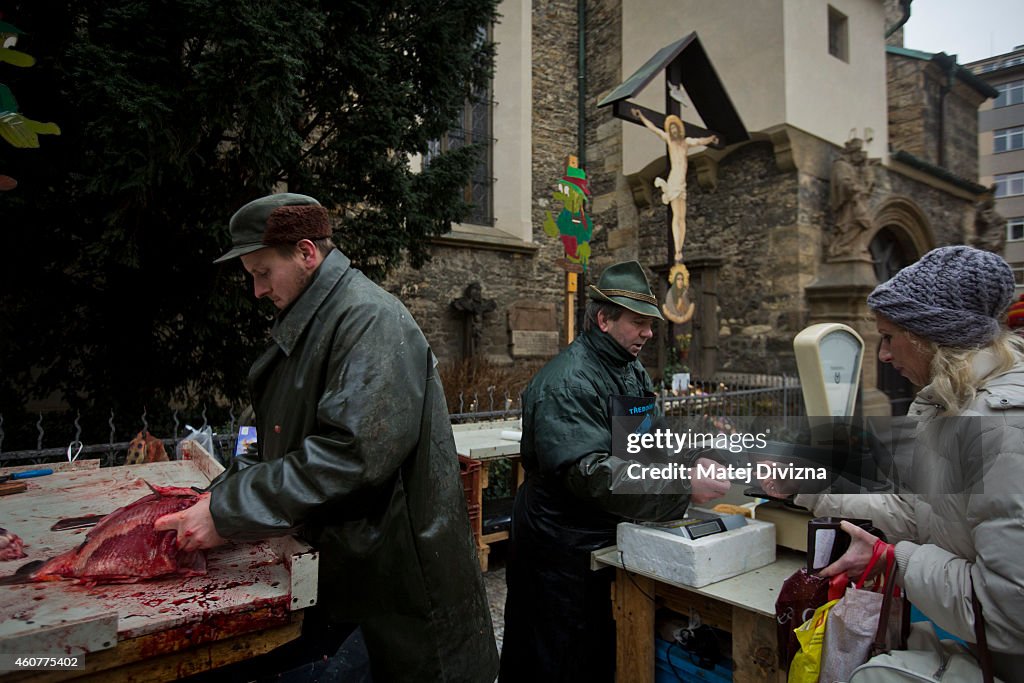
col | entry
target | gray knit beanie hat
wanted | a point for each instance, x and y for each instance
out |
(954, 296)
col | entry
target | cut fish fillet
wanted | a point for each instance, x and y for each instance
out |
(124, 547)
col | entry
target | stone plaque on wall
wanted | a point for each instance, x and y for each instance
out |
(534, 343)
(533, 330)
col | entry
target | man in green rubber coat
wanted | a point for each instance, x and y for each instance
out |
(355, 455)
(558, 620)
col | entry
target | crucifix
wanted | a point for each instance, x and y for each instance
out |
(689, 78)
(673, 188)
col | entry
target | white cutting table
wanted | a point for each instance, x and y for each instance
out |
(487, 442)
(246, 605)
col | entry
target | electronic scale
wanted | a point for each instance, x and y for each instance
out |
(828, 359)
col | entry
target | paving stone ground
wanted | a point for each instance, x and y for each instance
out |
(494, 583)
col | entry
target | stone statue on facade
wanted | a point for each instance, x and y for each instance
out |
(849, 198)
(989, 226)
(473, 306)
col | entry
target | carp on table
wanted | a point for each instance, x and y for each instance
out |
(125, 548)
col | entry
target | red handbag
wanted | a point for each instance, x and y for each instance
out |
(801, 594)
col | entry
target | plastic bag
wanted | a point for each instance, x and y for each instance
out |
(853, 622)
(806, 665)
(202, 437)
(801, 594)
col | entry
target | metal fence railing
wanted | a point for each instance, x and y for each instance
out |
(780, 406)
(727, 395)
(716, 399)
(59, 435)
(494, 405)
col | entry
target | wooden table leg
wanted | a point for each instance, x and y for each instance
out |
(483, 550)
(633, 608)
(485, 540)
(754, 648)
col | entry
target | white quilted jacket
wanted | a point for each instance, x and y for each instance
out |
(942, 538)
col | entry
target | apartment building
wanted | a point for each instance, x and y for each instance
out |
(1001, 147)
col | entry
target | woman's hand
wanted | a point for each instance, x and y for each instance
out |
(855, 560)
(780, 489)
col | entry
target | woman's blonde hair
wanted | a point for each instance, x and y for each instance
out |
(952, 380)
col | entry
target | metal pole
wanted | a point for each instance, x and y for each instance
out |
(571, 285)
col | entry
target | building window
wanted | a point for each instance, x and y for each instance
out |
(838, 34)
(1010, 94)
(1015, 229)
(474, 127)
(1018, 273)
(1009, 139)
(1009, 184)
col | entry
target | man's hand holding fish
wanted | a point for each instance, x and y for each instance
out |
(194, 526)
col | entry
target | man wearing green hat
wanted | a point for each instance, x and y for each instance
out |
(355, 454)
(558, 621)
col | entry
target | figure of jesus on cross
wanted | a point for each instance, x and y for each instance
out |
(673, 189)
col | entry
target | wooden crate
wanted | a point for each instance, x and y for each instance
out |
(472, 486)
(471, 474)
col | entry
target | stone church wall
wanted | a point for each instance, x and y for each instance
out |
(947, 216)
(508, 276)
(922, 108)
(766, 218)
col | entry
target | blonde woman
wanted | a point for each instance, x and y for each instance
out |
(962, 530)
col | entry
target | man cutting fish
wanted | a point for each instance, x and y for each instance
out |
(355, 455)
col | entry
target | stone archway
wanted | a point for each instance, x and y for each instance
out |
(839, 294)
(889, 254)
(908, 225)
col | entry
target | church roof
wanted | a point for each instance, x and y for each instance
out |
(946, 62)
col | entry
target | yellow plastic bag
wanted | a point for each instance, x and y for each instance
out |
(807, 663)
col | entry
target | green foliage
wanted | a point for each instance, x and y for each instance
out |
(499, 479)
(176, 112)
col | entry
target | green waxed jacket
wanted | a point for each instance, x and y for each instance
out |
(567, 447)
(340, 399)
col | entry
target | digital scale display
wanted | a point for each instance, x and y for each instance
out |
(699, 527)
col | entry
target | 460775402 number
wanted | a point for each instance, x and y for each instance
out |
(11, 662)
